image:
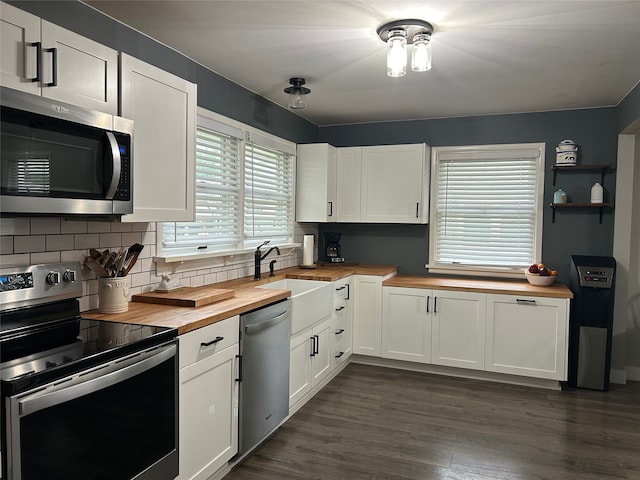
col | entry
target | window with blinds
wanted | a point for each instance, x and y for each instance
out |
(244, 192)
(486, 207)
(268, 193)
(218, 202)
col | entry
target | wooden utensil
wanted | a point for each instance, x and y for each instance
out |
(96, 268)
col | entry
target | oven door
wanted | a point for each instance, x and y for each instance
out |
(115, 421)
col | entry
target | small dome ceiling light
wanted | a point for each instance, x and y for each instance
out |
(400, 33)
(297, 93)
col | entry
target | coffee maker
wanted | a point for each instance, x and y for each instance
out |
(333, 254)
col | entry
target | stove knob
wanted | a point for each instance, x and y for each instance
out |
(53, 278)
(69, 276)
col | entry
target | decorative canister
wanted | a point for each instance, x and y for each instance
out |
(113, 294)
(566, 153)
(597, 193)
(560, 196)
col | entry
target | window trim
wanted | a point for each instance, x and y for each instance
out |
(479, 152)
(212, 120)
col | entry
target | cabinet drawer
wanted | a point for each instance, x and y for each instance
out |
(206, 341)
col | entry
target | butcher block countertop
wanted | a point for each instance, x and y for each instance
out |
(246, 298)
(508, 287)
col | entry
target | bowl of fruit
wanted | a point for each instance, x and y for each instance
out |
(539, 274)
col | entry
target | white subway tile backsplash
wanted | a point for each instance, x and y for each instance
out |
(29, 244)
(15, 260)
(110, 240)
(73, 226)
(60, 242)
(98, 227)
(6, 245)
(14, 226)
(45, 257)
(45, 226)
(26, 241)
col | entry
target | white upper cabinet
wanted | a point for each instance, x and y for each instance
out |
(393, 185)
(348, 183)
(383, 184)
(316, 183)
(41, 58)
(163, 108)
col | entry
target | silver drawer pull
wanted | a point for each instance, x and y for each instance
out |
(522, 301)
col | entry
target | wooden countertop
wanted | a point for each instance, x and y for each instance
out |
(509, 287)
(247, 297)
(186, 319)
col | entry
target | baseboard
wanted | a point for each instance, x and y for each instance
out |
(633, 374)
(618, 376)
(458, 372)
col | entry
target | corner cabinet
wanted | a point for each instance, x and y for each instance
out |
(208, 395)
(44, 59)
(527, 336)
(163, 108)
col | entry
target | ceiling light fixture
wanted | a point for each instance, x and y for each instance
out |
(297, 93)
(400, 33)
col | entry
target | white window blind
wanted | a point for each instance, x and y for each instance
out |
(218, 197)
(268, 193)
(486, 209)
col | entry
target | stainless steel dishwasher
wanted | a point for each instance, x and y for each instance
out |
(264, 373)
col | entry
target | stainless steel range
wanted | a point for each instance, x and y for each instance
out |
(80, 398)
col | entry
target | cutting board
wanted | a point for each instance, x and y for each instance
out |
(185, 296)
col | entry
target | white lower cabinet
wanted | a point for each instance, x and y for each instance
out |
(310, 360)
(458, 329)
(527, 336)
(367, 315)
(208, 422)
(406, 324)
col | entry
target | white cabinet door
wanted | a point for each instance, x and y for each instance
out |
(527, 336)
(163, 108)
(85, 73)
(392, 184)
(321, 357)
(406, 324)
(367, 315)
(208, 414)
(316, 183)
(458, 329)
(300, 376)
(348, 184)
(19, 32)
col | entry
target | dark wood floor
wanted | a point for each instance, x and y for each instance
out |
(376, 423)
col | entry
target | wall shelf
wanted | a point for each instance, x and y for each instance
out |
(600, 206)
(580, 168)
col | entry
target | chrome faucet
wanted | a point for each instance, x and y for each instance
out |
(259, 257)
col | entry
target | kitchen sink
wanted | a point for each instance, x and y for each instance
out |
(311, 300)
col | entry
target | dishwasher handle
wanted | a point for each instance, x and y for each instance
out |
(266, 323)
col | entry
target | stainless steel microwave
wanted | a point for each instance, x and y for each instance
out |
(60, 159)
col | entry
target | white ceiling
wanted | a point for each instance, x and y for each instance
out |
(489, 57)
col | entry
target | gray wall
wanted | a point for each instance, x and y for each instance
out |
(574, 232)
(215, 93)
(629, 110)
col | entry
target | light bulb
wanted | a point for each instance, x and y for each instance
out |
(397, 53)
(421, 54)
(296, 100)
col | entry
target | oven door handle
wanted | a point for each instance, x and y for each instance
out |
(98, 378)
